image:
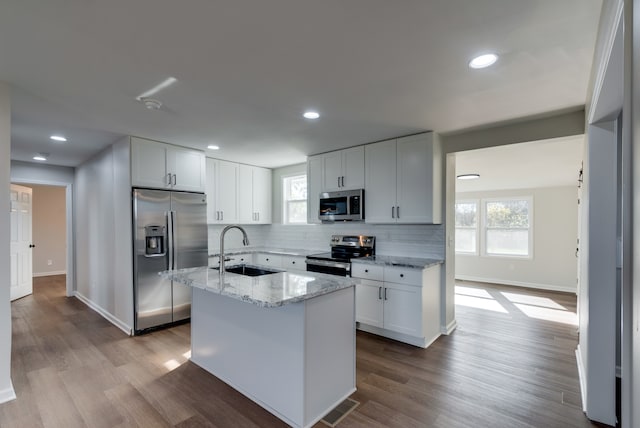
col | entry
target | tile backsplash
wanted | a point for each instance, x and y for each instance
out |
(400, 240)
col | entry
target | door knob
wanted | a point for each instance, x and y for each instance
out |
(32, 246)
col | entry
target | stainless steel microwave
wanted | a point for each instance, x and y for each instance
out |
(345, 205)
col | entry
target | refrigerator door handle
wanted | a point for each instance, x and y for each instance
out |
(170, 244)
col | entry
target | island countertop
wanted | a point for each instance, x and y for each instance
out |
(268, 291)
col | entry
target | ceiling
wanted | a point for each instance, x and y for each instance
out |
(547, 163)
(246, 70)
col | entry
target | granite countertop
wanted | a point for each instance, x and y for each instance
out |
(395, 261)
(270, 250)
(268, 291)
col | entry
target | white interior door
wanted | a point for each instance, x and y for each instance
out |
(21, 245)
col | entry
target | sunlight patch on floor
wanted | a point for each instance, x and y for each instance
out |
(480, 303)
(543, 302)
(171, 364)
(475, 292)
(548, 314)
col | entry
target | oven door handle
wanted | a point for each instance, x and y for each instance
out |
(346, 266)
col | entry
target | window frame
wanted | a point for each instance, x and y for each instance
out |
(483, 237)
(477, 203)
(285, 201)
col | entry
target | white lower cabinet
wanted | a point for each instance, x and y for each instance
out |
(265, 259)
(294, 263)
(407, 310)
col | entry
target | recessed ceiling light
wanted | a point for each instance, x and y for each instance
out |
(483, 61)
(58, 138)
(468, 176)
(41, 157)
(213, 147)
(311, 114)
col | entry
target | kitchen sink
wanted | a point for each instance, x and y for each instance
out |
(248, 270)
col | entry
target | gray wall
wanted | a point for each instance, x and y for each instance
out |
(103, 235)
(6, 389)
(553, 264)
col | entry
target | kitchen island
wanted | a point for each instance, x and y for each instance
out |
(285, 340)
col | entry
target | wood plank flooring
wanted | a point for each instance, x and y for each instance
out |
(504, 366)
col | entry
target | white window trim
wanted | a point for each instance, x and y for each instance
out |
(483, 235)
(285, 218)
(477, 202)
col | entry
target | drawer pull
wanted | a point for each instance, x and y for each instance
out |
(366, 270)
(293, 262)
(401, 275)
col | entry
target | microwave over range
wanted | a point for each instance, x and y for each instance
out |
(345, 205)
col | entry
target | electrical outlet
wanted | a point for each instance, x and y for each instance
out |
(49, 262)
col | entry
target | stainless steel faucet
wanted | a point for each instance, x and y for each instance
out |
(245, 241)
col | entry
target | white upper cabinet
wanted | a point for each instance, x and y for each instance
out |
(403, 181)
(222, 192)
(163, 166)
(254, 195)
(342, 169)
(314, 187)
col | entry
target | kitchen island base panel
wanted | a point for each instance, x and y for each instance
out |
(422, 342)
(297, 361)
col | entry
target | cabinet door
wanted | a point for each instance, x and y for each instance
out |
(262, 195)
(403, 308)
(415, 179)
(149, 164)
(188, 169)
(332, 166)
(380, 182)
(314, 187)
(369, 303)
(273, 260)
(246, 213)
(353, 168)
(210, 190)
(294, 263)
(227, 191)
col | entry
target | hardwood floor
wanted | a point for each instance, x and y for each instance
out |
(502, 367)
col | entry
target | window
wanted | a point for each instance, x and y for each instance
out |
(294, 195)
(507, 226)
(467, 227)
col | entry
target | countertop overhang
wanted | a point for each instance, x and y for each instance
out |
(269, 291)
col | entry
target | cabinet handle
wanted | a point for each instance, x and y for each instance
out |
(258, 216)
(342, 180)
(366, 271)
(175, 179)
(393, 212)
(379, 293)
(169, 179)
(397, 212)
(293, 262)
(338, 181)
(401, 275)
(221, 215)
(385, 293)
(267, 259)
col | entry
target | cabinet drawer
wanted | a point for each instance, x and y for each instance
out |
(274, 260)
(367, 271)
(401, 275)
(294, 262)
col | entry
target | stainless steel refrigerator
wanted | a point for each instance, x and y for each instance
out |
(170, 232)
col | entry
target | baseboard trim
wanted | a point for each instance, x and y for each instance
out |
(106, 315)
(58, 272)
(422, 342)
(551, 287)
(582, 378)
(449, 328)
(8, 394)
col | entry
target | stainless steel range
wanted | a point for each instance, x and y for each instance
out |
(343, 249)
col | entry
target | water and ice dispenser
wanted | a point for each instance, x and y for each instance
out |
(155, 240)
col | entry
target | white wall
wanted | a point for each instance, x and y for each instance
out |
(555, 230)
(6, 388)
(37, 173)
(103, 235)
(49, 230)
